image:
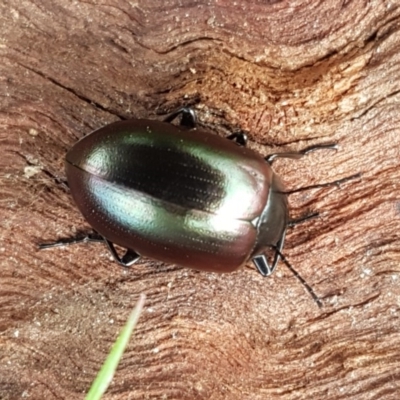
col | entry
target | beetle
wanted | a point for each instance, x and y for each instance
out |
(181, 194)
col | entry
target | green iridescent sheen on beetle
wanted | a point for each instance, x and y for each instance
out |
(184, 196)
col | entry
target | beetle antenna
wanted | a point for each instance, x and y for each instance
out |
(300, 278)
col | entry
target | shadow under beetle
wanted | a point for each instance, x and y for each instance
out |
(181, 195)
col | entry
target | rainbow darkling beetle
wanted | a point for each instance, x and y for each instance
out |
(181, 195)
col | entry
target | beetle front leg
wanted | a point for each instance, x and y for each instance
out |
(261, 263)
(264, 269)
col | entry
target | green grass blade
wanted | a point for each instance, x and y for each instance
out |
(106, 373)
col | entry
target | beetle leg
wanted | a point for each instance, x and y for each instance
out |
(261, 262)
(262, 265)
(239, 137)
(188, 117)
(296, 155)
(294, 222)
(264, 269)
(127, 260)
(322, 185)
(94, 237)
(300, 278)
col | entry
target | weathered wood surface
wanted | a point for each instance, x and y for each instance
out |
(291, 74)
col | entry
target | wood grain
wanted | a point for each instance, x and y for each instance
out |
(291, 74)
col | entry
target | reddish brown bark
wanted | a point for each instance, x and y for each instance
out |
(291, 74)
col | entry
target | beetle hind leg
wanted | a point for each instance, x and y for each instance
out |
(93, 237)
(188, 119)
(187, 114)
(239, 137)
(127, 260)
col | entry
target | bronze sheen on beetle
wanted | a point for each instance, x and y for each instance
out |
(178, 194)
(181, 195)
